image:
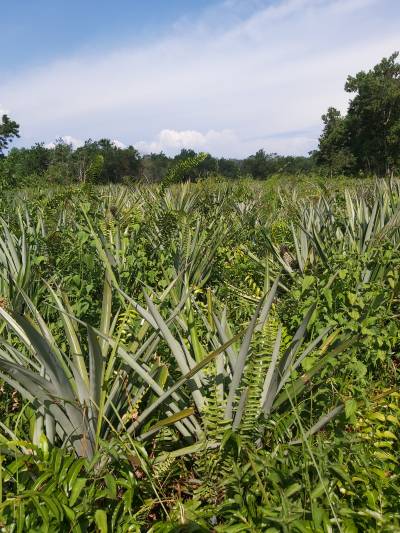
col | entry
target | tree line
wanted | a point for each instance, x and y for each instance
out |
(364, 141)
(102, 162)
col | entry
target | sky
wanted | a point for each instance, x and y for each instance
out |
(224, 76)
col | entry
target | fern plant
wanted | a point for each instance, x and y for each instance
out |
(254, 375)
(244, 381)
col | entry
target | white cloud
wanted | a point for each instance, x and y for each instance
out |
(246, 70)
(225, 142)
(75, 143)
(118, 144)
(172, 141)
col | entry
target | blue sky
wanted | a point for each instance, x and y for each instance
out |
(44, 30)
(227, 76)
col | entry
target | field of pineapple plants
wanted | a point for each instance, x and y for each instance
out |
(211, 356)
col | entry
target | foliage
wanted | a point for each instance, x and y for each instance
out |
(8, 129)
(367, 139)
(184, 169)
(103, 162)
(215, 355)
(262, 165)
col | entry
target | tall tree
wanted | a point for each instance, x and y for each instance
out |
(334, 151)
(262, 165)
(8, 129)
(367, 139)
(374, 116)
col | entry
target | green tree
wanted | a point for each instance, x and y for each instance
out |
(154, 167)
(113, 165)
(228, 168)
(185, 154)
(61, 168)
(184, 169)
(95, 168)
(8, 129)
(367, 139)
(262, 165)
(374, 117)
(25, 166)
(334, 151)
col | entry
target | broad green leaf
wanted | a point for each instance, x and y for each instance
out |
(101, 520)
(77, 488)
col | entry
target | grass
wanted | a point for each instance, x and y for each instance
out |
(218, 356)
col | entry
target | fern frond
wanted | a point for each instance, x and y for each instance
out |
(254, 377)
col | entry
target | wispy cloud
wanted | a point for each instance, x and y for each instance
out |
(251, 69)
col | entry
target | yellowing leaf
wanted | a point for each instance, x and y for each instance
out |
(377, 416)
(385, 456)
(393, 419)
(386, 435)
(352, 298)
(383, 444)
